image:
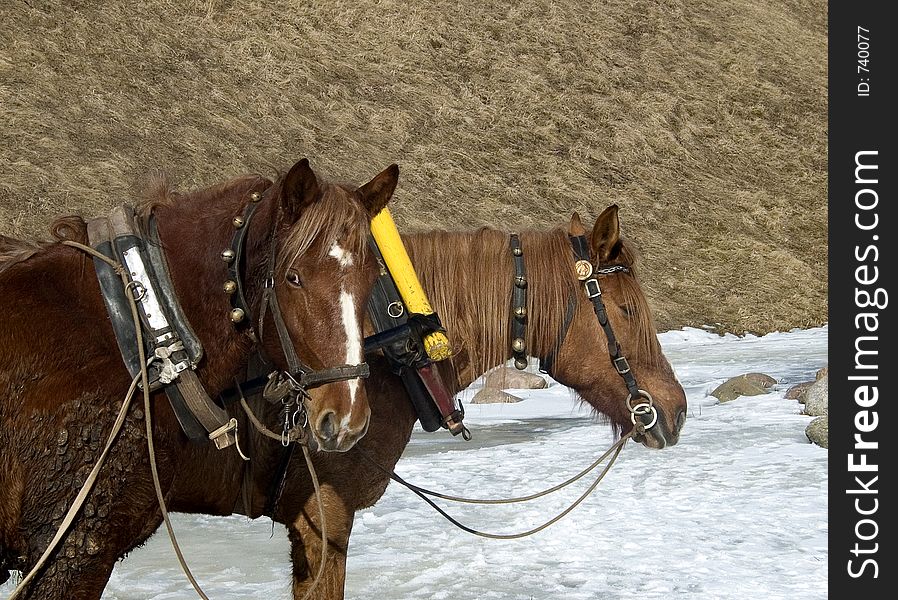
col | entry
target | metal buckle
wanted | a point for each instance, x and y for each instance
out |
(621, 364)
(589, 293)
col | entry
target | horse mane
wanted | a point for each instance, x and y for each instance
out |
(648, 348)
(14, 251)
(158, 191)
(333, 216)
(469, 279)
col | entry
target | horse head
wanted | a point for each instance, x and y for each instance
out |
(623, 390)
(321, 281)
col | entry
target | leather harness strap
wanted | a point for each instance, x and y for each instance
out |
(519, 305)
(594, 293)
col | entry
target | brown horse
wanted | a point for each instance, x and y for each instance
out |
(61, 373)
(469, 279)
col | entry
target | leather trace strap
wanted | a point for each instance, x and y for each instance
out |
(519, 305)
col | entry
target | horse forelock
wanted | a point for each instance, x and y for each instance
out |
(334, 217)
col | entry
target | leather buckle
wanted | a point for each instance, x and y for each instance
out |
(621, 364)
(593, 292)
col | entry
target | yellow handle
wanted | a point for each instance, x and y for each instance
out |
(391, 247)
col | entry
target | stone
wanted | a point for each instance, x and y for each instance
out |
(796, 392)
(821, 373)
(507, 378)
(762, 380)
(816, 397)
(493, 396)
(736, 386)
(818, 431)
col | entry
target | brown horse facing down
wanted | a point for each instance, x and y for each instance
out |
(62, 379)
(469, 279)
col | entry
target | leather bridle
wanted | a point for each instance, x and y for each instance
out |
(299, 377)
(588, 275)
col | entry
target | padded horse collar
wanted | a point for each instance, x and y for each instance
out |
(171, 342)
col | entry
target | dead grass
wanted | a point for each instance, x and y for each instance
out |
(705, 121)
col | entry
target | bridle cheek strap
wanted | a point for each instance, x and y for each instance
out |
(302, 376)
(588, 275)
(594, 293)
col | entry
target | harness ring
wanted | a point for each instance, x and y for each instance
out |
(643, 394)
(642, 408)
(395, 309)
(138, 290)
(649, 409)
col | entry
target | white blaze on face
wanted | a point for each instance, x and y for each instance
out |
(343, 257)
(350, 323)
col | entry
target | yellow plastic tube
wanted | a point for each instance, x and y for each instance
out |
(400, 265)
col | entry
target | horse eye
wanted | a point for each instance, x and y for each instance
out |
(628, 310)
(293, 279)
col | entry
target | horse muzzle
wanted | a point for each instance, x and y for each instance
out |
(339, 435)
(664, 432)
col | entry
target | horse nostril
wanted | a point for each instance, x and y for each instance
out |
(681, 420)
(327, 425)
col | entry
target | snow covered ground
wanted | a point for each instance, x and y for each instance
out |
(737, 509)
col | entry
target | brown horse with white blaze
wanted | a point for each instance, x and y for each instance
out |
(469, 279)
(62, 379)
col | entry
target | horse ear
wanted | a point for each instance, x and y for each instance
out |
(576, 228)
(605, 237)
(376, 193)
(300, 188)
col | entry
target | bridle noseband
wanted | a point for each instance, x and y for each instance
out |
(588, 274)
(299, 378)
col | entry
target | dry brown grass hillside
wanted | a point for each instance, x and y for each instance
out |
(704, 120)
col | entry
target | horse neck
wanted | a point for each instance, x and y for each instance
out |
(194, 231)
(469, 279)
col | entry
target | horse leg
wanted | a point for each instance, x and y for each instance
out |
(305, 541)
